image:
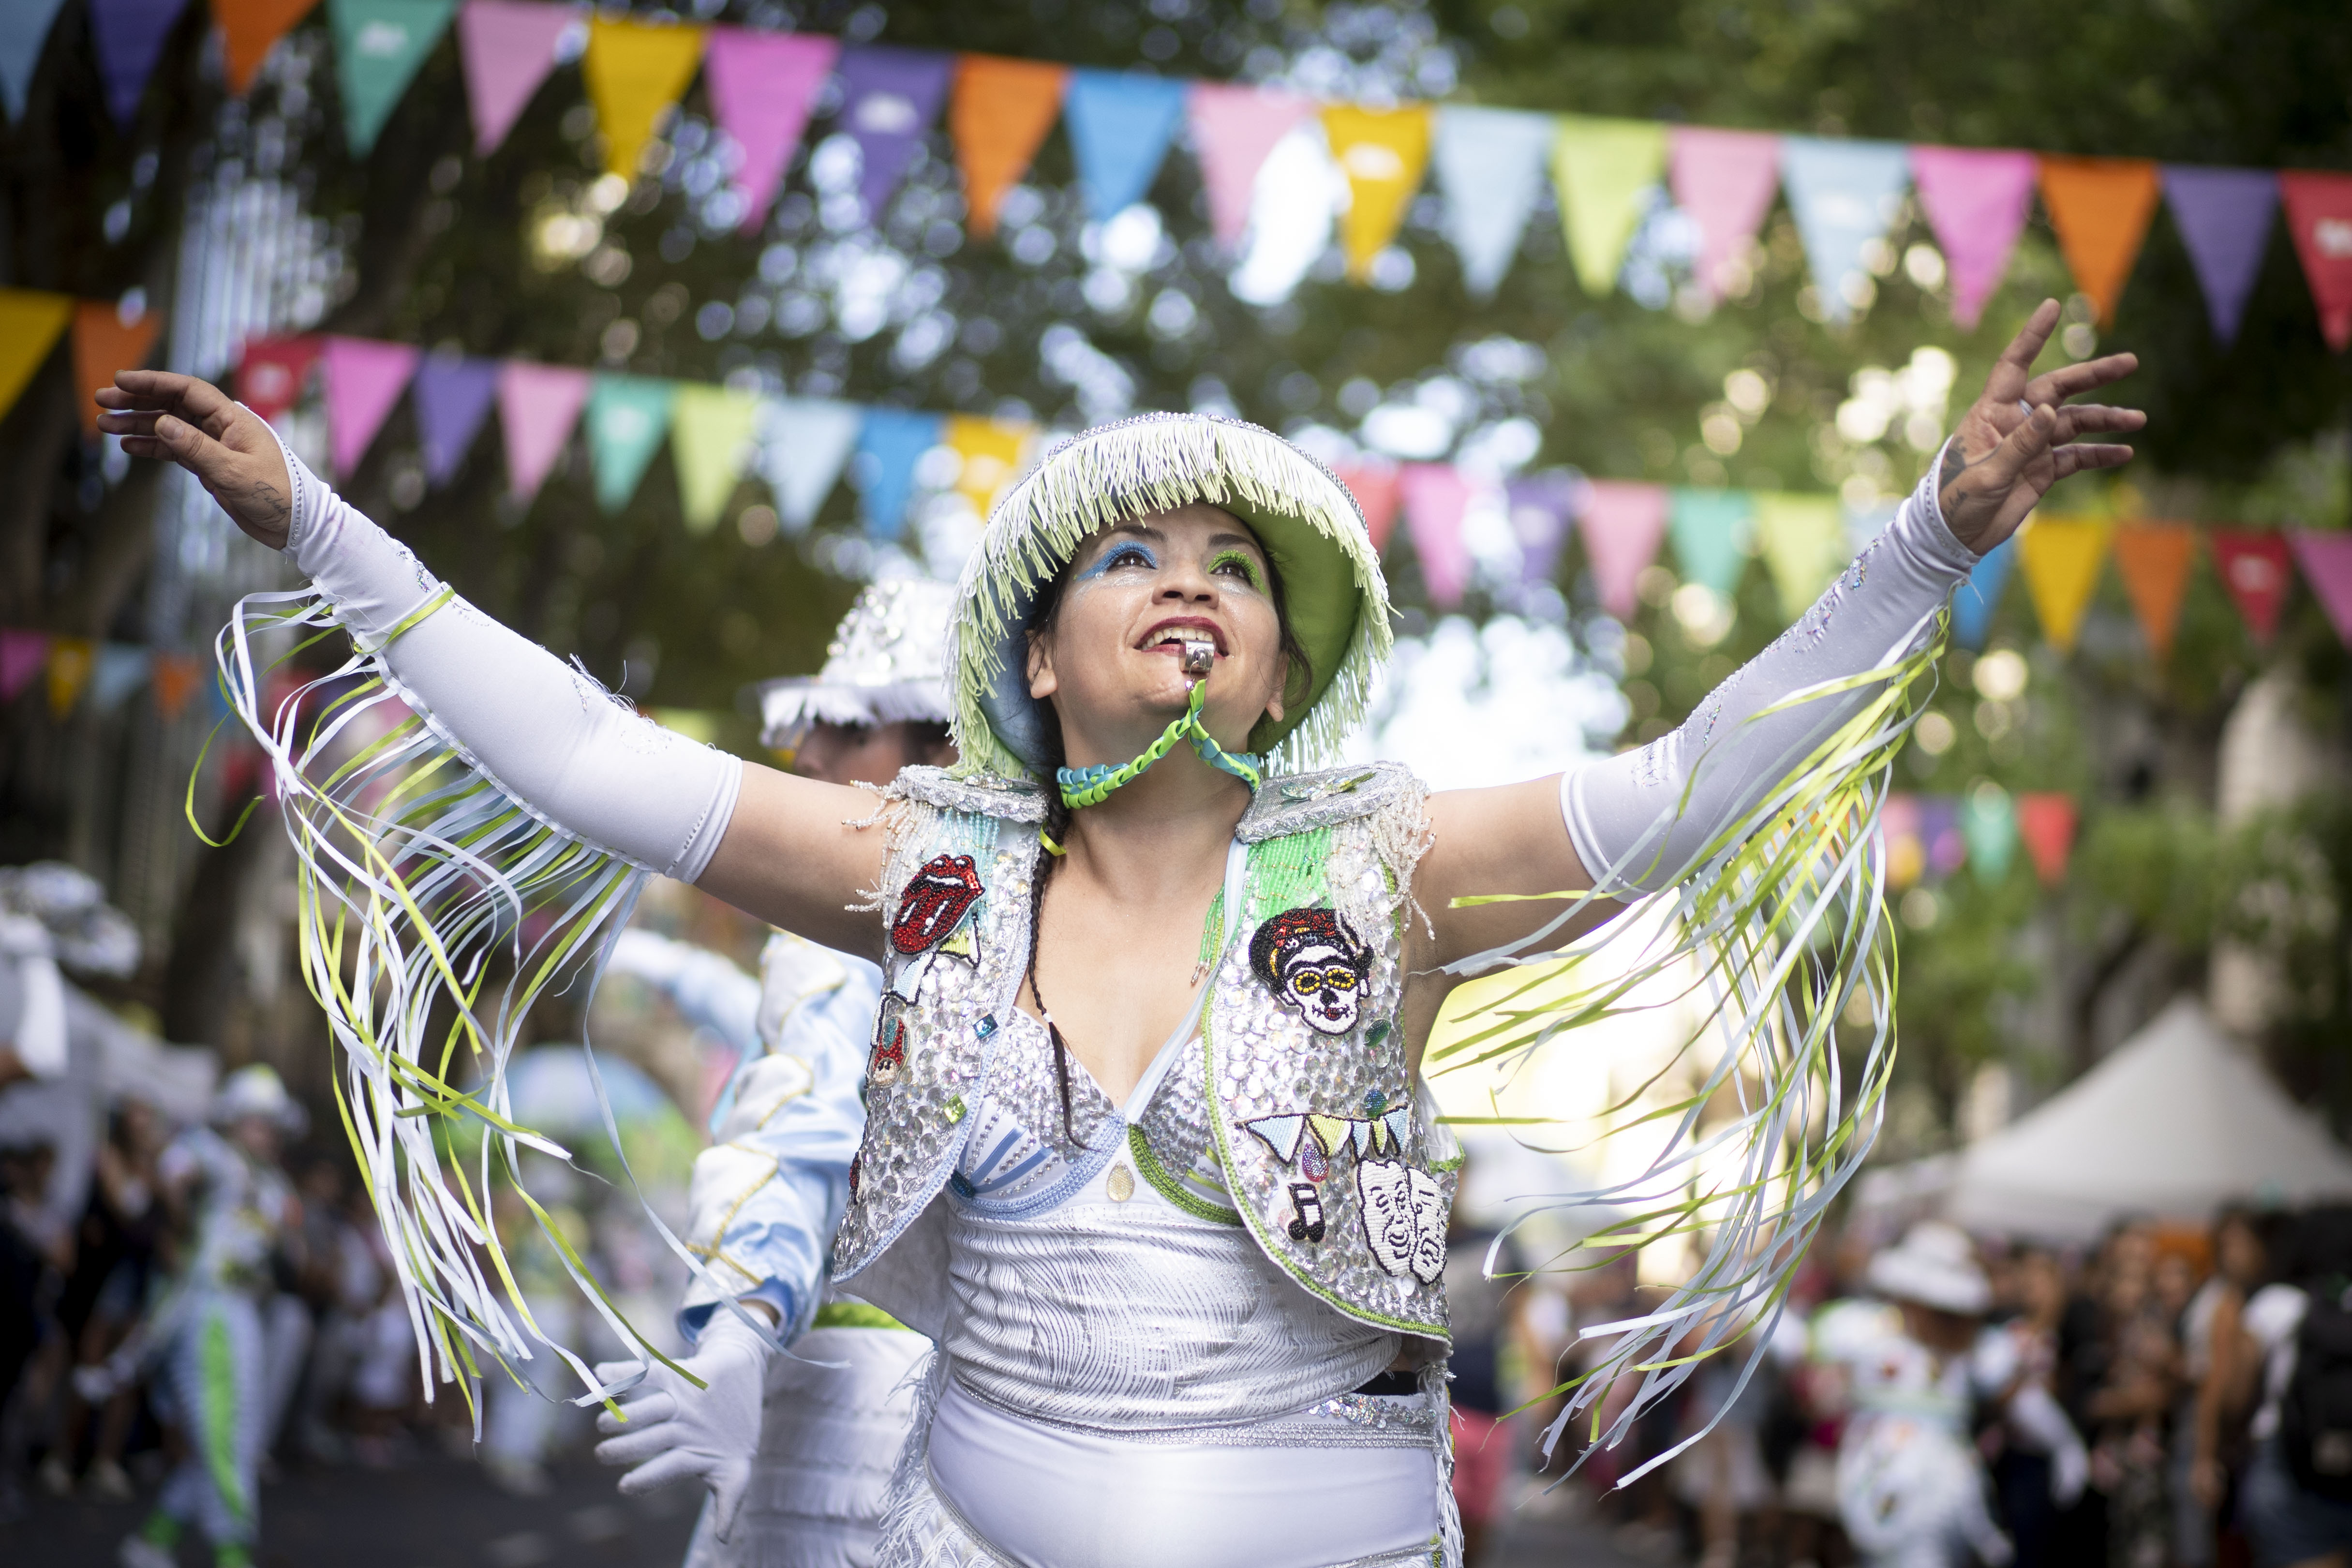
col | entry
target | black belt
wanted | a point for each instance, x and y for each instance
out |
(1391, 1385)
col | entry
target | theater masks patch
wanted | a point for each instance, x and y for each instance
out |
(1404, 1218)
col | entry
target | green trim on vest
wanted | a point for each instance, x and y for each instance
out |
(1169, 1187)
(856, 1315)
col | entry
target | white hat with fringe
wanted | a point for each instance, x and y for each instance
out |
(257, 1091)
(1935, 1266)
(888, 664)
(1335, 599)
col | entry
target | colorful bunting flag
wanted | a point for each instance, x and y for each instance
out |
(1602, 167)
(1490, 167)
(2061, 557)
(21, 655)
(1373, 482)
(1000, 114)
(1382, 152)
(453, 397)
(175, 676)
(1543, 508)
(103, 343)
(1939, 832)
(627, 418)
(363, 379)
(635, 72)
(804, 444)
(2100, 208)
(538, 407)
(1234, 128)
(30, 323)
(70, 662)
(507, 48)
(1802, 541)
(1843, 194)
(2224, 219)
(889, 443)
(250, 29)
(1120, 123)
(2326, 561)
(1435, 497)
(1906, 850)
(2254, 569)
(1989, 822)
(1976, 201)
(1724, 180)
(1979, 596)
(120, 669)
(128, 37)
(24, 32)
(272, 373)
(2319, 214)
(2046, 822)
(1713, 533)
(889, 98)
(379, 44)
(762, 86)
(710, 437)
(992, 451)
(2153, 560)
(1622, 526)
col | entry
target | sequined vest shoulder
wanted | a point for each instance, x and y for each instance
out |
(1325, 1154)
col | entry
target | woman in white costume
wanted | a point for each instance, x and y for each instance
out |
(1143, 1155)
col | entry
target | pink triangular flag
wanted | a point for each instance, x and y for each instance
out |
(538, 407)
(2327, 560)
(363, 379)
(22, 656)
(1234, 128)
(1435, 497)
(1373, 482)
(507, 48)
(1725, 180)
(761, 88)
(1624, 524)
(1976, 201)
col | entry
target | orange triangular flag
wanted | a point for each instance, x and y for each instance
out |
(1002, 110)
(174, 677)
(2153, 559)
(2100, 208)
(2061, 557)
(250, 28)
(103, 343)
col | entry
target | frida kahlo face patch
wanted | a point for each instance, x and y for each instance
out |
(1314, 966)
(934, 902)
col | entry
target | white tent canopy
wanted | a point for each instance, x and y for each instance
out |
(2173, 1124)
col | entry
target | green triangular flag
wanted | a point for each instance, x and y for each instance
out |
(1989, 822)
(1713, 533)
(1802, 541)
(379, 44)
(627, 416)
(1602, 167)
(710, 435)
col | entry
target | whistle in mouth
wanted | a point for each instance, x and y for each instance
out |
(1200, 657)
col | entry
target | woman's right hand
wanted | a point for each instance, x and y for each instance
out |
(195, 424)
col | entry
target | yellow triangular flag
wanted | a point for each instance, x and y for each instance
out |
(1602, 167)
(991, 450)
(1331, 1132)
(2061, 557)
(71, 660)
(636, 71)
(1802, 541)
(1382, 152)
(709, 440)
(30, 325)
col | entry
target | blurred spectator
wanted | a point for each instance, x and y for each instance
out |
(105, 1293)
(2209, 1331)
(1486, 1302)
(2022, 1482)
(2296, 1496)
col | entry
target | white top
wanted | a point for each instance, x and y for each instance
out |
(2272, 1318)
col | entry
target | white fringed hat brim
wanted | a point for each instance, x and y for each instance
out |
(1336, 600)
(788, 707)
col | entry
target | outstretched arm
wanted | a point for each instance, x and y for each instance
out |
(774, 844)
(1637, 822)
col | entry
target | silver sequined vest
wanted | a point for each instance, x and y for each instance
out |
(1313, 1121)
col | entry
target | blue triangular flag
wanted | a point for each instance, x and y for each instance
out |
(1119, 124)
(128, 35)
(889, 444)
(23, 29)
(804, 444)
(452, 397)
(1843, 194)
(1973, 606)
(1281, 1134)
(1490, 164)
(628, 417)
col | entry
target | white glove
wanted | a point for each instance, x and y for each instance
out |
(672, 1431)
(2069, 1472)
(2036, 1416)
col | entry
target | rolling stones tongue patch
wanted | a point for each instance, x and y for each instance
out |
(934, 903)
(1314, 966)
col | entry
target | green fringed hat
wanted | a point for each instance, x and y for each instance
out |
(1336, 599)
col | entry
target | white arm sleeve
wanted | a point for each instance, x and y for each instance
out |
(1880, 608)
(542, 731)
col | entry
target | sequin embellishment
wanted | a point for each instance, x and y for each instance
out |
(1315, 966)
(1119, 1184)
(934, 903)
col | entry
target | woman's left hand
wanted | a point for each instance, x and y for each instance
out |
(2022, 435)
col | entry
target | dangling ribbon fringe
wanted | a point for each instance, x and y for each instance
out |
(1783, 920)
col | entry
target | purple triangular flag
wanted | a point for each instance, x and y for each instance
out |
(1542, 507)
(889, 98)
(2224, 218)
(128, 35)
(452, 398)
